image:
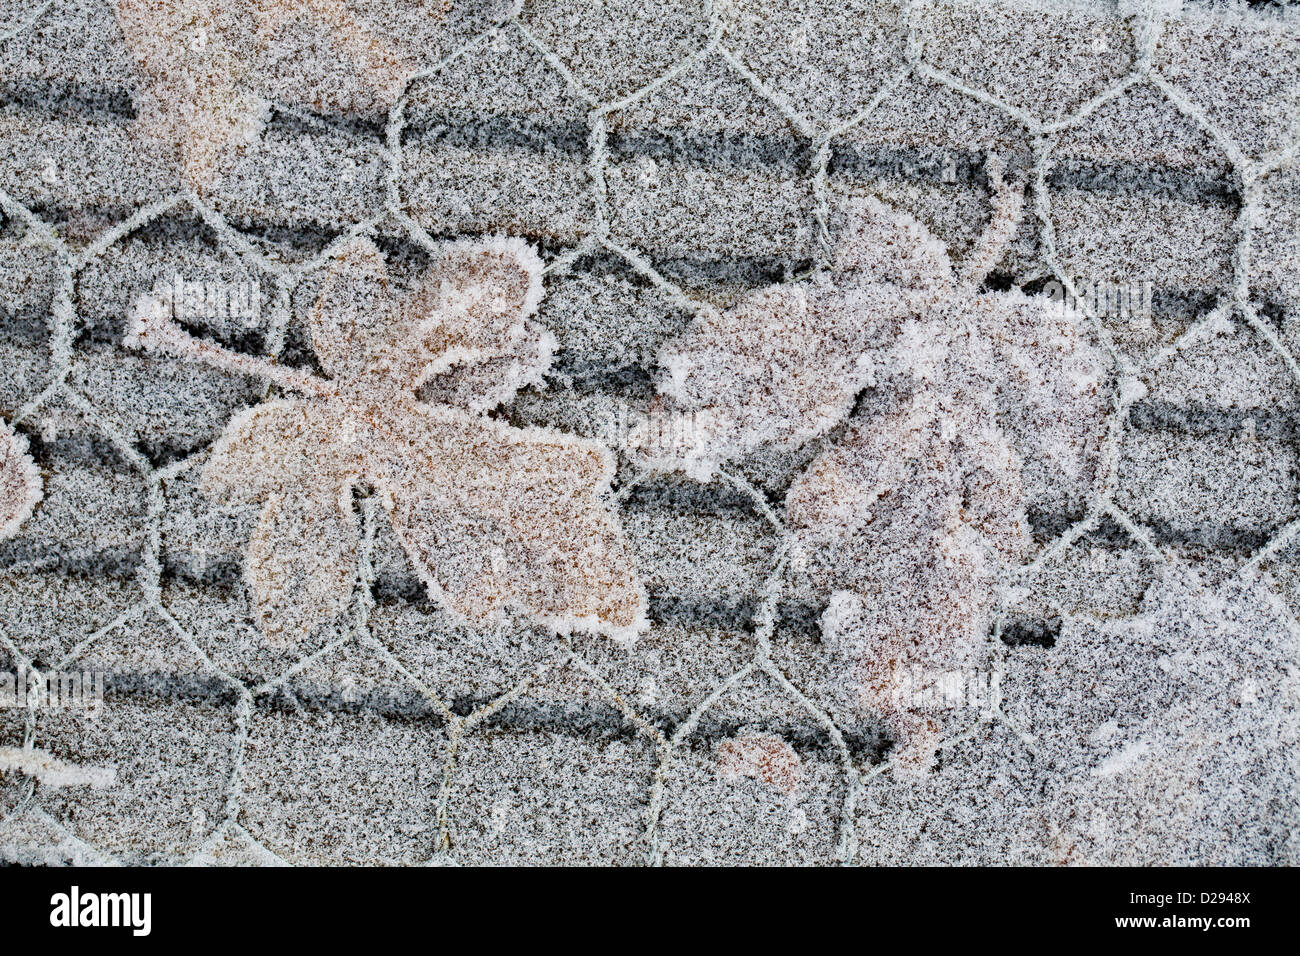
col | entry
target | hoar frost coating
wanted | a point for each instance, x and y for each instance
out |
(917, 514)
(20, 482)
(490, 515)
(912, 518)
(1172, 737)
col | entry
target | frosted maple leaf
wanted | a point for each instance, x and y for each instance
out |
(490, 515)
(786, 363)
(198, 58)
(913, 516)
(20, 482)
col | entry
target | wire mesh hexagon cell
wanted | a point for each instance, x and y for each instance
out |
(670, 169)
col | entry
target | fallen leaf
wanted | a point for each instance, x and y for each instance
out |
(490, 515)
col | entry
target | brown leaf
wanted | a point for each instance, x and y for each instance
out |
(198, 60)
(490, 515)
(911, 520)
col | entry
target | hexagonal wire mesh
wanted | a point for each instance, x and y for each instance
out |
(457, 746)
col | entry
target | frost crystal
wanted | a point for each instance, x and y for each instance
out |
(20, 482)
(489, 514)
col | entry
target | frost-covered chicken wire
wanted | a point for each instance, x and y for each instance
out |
(878, 428)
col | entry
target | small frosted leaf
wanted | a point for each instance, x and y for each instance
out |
(193, 61)
(762, 757)
(20, 482)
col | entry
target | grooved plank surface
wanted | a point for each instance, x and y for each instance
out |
(666, 160)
